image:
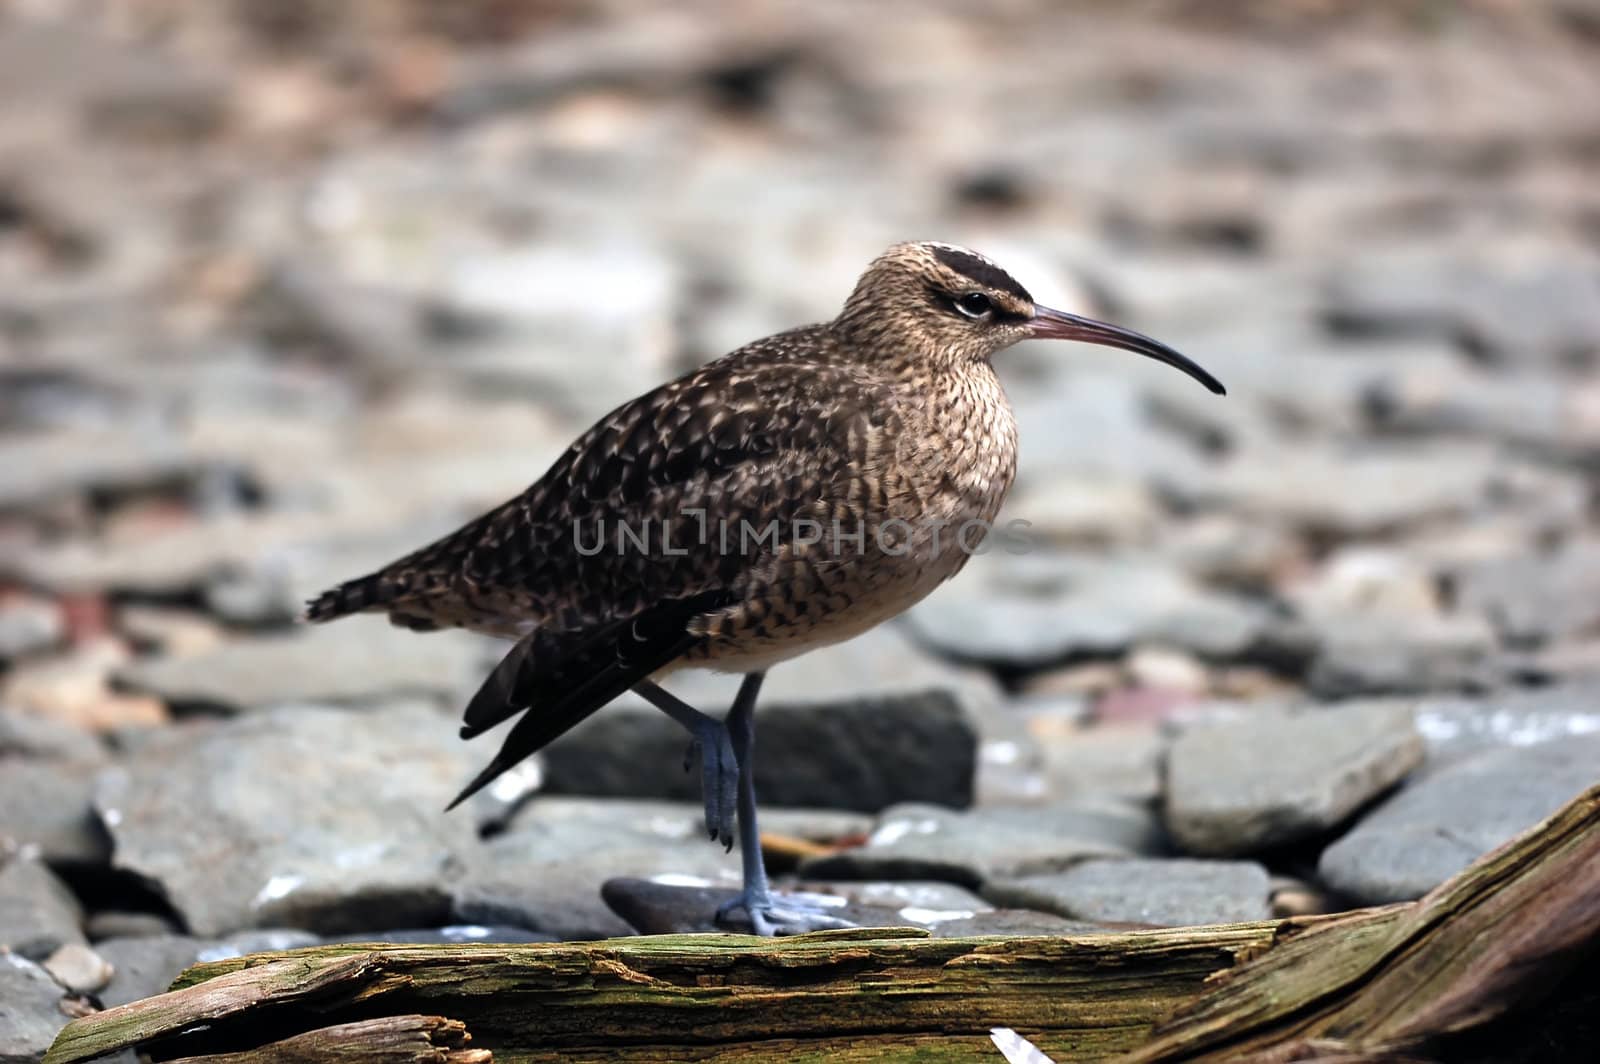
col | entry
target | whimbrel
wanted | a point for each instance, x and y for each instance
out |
(789, 495)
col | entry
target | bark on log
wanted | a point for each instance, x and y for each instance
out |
(1374, 984)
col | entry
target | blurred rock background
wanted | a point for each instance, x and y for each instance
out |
(288, 287)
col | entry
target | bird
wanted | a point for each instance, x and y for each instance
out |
(784, 497)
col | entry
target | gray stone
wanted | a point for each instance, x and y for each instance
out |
(41, 469)
(927, 902)
(46, 807)
(546, 872)
(1124, 762)
(78, 968)
(313, 818)
(111, 923)
(670, 908)
(359, 660)
(145, 966)
(1455, 727)
(30, 1013)
(452, 935)
(1440, 824)
(1042, 611)
(38, 914)
(26, 735)
(1534, 598)
(930, 842)
(1374, 654)
(1173, 892)
(1270, 778)
(861, 725)
(28, 626)
(1012, 922)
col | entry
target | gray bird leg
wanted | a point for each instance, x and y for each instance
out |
(766, 916)
(719, 765)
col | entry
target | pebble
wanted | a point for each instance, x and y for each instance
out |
(1267, 778)
(79, 968)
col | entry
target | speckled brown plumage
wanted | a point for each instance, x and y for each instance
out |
(889, 413)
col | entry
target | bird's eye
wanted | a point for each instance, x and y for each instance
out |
(975, 305)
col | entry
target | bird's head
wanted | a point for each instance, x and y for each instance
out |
(940, 302)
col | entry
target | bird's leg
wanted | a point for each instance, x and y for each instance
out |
(719, 766)
(767, 916)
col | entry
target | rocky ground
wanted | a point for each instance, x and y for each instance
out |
(287, 288)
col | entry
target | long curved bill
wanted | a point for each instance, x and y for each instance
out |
(1059, 325)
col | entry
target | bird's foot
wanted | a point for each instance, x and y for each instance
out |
(769, 914)
(719, 782)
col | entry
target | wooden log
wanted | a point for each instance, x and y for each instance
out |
(385, 1040)
(1368, 985)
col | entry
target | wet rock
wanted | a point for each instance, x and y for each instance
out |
(313, 818)
(38, 914)
(860, 726)
(1268, 778)
(1042, 611)
(30, 1016)
(46, 806)
(930, 842)
(1176, 892)
(78, 968)
(361, 660)
(1455, 727)
(1438, 825)
(28, 626)
(1375, 654)
(545, 873)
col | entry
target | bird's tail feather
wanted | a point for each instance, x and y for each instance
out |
(559, 695)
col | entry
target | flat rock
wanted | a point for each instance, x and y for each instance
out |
(145, 965)
(28, 626)
(314, 818)
(453, 934)
(1532, 599)
(1120, 761)
(915, 841)
(1457, 726)
(1164, 892)
(30, 1013)
(918, 901)
(47, 807)
(1012, 922)
(1043, 611)
(545, 873)
(861, 725)
(1374, 654)
(1268, 777)
(359, 660)
(1437, 826)
(680, 907)
(38, 914)
(25, 735)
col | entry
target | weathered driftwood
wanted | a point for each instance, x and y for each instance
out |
(1365, 985)
(385, 1040)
